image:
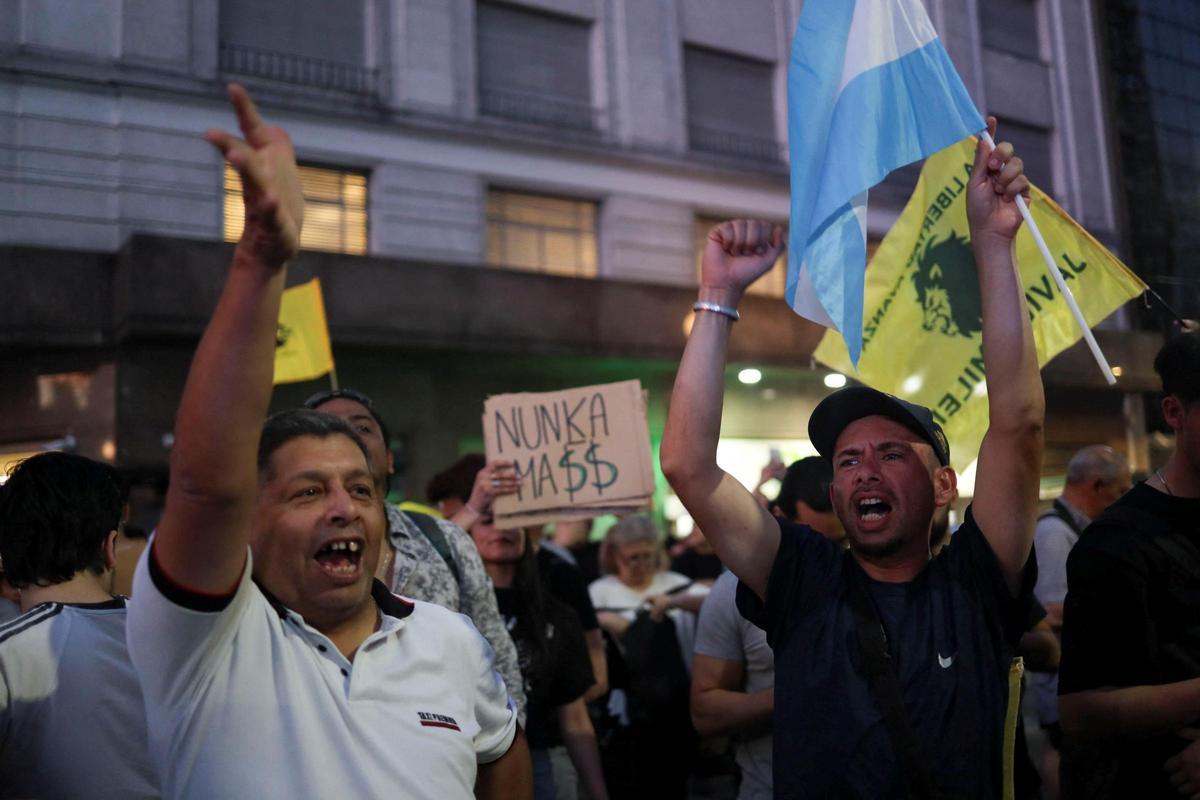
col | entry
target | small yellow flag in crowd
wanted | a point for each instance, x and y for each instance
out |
(921, 309)
(302, 350)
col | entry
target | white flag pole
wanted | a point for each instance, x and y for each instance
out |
(1062, 284)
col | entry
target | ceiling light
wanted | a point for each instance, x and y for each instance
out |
(835, 380)
(750, 376)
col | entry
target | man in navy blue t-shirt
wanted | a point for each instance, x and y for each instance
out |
(949, 623)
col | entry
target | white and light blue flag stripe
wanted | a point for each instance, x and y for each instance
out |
(870, 89)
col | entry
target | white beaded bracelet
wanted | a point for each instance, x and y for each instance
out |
(727, 311)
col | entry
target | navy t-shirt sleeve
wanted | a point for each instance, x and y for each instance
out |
(1106, 636)
(806, 567)
(970, 554)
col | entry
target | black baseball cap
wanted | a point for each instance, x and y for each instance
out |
(844, 406)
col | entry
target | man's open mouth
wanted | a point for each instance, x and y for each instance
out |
(872, 509)
(341, 558)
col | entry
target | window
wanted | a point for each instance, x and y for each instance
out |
(317, 43)
(1011, 26)
(541, 233)
(772, 284)
(534, 67)
(730, 105)
(1035, 147)
(335, 209)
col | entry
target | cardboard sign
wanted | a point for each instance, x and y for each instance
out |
(578, 452)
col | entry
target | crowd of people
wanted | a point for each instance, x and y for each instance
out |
(290, 633)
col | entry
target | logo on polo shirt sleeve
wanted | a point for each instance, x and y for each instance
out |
(431, 720)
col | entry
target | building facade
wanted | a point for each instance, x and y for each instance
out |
(503, 196)
(1152, 49)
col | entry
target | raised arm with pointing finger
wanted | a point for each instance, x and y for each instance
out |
(840, 621)
(201, 540)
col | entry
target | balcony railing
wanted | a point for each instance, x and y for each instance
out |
(317, 73)
(728, 143)
(538, 109)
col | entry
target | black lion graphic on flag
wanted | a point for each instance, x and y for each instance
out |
(948, 288)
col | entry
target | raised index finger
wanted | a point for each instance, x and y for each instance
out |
(247, 113)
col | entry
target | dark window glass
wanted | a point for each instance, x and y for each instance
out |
(534, 67)
(317, 43)
(1153, 51)
(730, 105)
(1035, 146)
(1011, 26)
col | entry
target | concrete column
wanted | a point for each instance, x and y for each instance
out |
(646, 64)
(651, 241)
(429, 56)
(418, 212)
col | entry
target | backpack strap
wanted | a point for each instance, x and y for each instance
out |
(433, 532)
(915, 770)
(1059, 510)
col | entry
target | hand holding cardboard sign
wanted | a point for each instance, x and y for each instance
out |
(576, 453)
(497, 478)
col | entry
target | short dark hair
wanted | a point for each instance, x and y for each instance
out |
(281, 428)
(457, 480)
(1178, 365)
(807, 479)
(321, 398)
(56, 510)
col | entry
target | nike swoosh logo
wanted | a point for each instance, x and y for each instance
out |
(945, 663)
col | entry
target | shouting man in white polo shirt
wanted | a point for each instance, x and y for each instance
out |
(271, 662)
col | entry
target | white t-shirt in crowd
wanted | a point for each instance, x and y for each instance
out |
(248, 700)
(72, 723)
(609, 594)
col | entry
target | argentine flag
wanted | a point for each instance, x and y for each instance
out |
(870, 89)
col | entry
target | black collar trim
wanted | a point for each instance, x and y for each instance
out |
(117, 601)
(389, 603)
(272, 600)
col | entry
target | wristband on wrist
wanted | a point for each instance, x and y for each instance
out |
(472, 509)
(717, 308)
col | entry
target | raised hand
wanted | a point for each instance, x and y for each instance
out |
(997, 178)
(497, 478)
(1183, 768)
(271, 189)
(736, 253)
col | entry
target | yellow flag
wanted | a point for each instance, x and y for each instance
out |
(921, 308)
(302, 350)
